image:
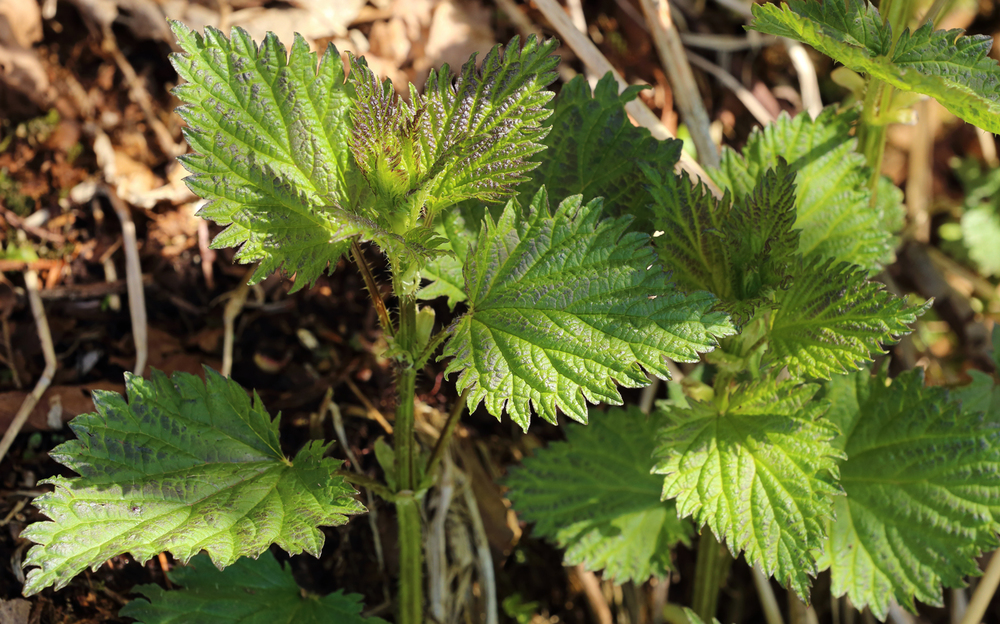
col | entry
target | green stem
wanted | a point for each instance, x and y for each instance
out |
(710, 573)
(404, 438)
(411, 561)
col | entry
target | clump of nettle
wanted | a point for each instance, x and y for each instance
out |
(577, 261)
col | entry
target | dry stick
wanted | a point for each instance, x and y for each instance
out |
(985, 589)
(45, 337)
(686, 93)
(111, 274)
(338, 427)
(371, 411)
(595, 597)
(141, 96)
(437, 543)
(959, 604)
(441, 447)
(592, 57)
(920, 178)
(17, 222)
(988, 147)
(727, 43)
(133, 277)
(808, 83)
(527, 28)
(485, 558)
(580, 21)
(758, 110)
(237, 299)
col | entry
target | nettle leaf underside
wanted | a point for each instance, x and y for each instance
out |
(465, 137)
(594, 496)
(563, 307)
(260, 591)
(184, 466)
(922, 484)
(760, 473)
(951, 67)
(268, 130)
(832, 318)
(835, 216)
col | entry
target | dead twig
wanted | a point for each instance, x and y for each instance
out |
(328, 406)
(237, 298)
(985, 589)
(758, 110)
(919, 175)
(49, 351)
(808, 83)
(686, 93)
(141, 97)
(133, 278)
(727, 43)
(483, 555)
(371, 411)
(595, 597)
(37, 232)
(111, 273)
(592, 57)
(438, 579)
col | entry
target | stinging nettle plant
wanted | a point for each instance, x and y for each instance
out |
(787, 450)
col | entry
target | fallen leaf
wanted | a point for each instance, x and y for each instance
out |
(14, 611)
(62, 402)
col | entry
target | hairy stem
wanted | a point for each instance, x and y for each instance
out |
(411, 585)
(710, 573)
(373, 291)
(411, 560)
(872, 131)
(405, 441)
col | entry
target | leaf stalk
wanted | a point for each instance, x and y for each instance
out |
(373, 291)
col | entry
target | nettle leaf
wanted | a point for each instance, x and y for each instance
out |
(562, 307)
(981, 219)
(760, 472)
(460, 227)
(469, 137)
(250, 591)
(269, 130)
(832, 318)
(594, 496)
(593, 149)
(835, 216)
(952, 68)
(185, 466)
(922, 480)
(739, 252)
(980, 395)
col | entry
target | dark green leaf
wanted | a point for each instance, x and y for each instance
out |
(594, 496)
